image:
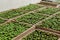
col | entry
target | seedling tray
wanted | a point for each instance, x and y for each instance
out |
(18, 23)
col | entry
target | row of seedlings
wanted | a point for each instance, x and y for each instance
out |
(52, 23)
(19, 11)
(37, 16)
